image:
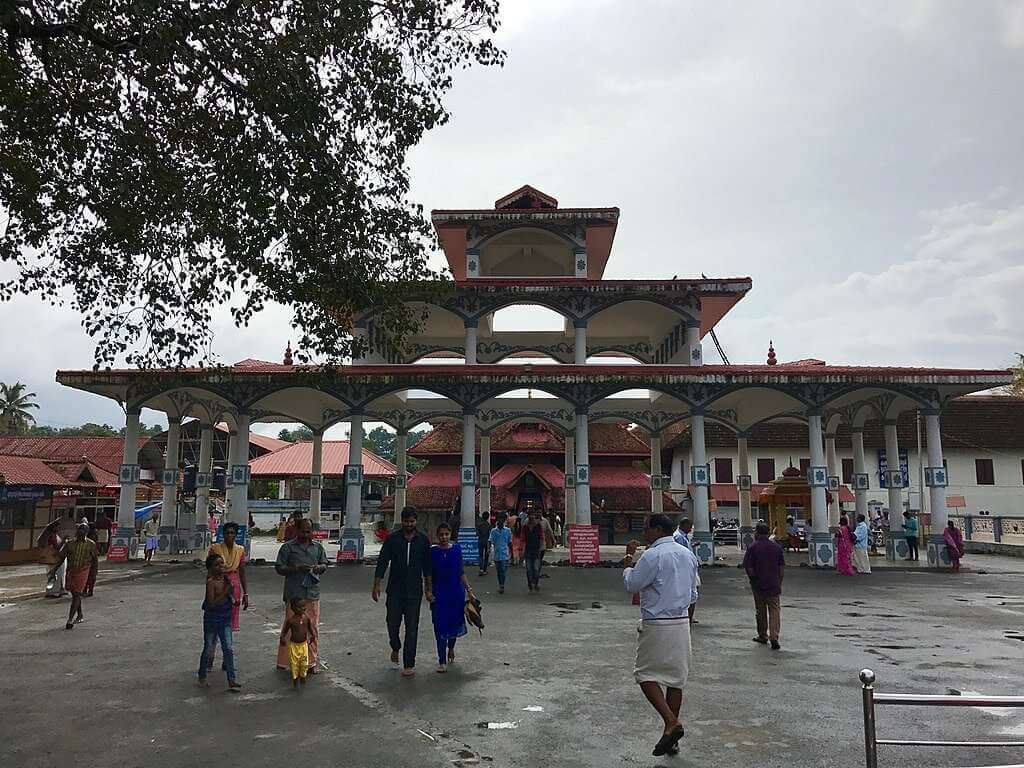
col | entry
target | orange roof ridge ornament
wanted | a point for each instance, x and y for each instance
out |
(288, 353)
(526, 197)
(771, 355)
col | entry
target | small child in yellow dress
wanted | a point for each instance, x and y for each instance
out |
(300, 630)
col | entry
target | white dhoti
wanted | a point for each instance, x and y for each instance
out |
(663, 652)
(861, 561)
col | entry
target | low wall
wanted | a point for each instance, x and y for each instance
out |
(991, 548)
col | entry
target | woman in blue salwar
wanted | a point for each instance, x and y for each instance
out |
(448, 609)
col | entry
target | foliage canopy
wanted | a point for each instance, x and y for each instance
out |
(162, 158)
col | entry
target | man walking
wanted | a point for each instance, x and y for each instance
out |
(301, 561)
(103, 526)
(501, 543)
(408, 555)
(666, 578)
(80, 554)
(861, 560)
(765, 564)
(910, 531)
(150, 529)
(533, 549)
(682, 537)
(483, 541)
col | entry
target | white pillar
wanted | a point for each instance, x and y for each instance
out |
(582, 468)
(282, 489)
(485, 469)
(896, 545)
(570, 471)
(746, 533)
(694, 355)
(833, 471)
(238, 496)
(938, 556)
(819, 546)
(169, 506)
(860, 468)
(401, 445)
(657, 494)
(204, 474)
(467, 508)
(676, 478)
(470, 352)
(129, 479)
(316, 477)
(352, 533)
(700, 476)
(579, 347)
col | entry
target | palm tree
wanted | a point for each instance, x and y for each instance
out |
(15, 403)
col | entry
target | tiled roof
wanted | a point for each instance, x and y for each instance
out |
(104, 452)
(981, 422)
(622, 488)
(548, 474)
(296, 460)
(84, 473)
(532, 438)
(262, 441)
(28, 470)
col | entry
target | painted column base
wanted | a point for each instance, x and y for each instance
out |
(821, 550)
(201, 539)
(746, 537)
(129, 540)
(938, 554)
(896, 547)
(704, 547)
(167, 540)
(352, 540)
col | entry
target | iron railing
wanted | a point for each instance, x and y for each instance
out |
(872, 699)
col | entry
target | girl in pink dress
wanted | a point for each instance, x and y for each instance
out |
(844, 548)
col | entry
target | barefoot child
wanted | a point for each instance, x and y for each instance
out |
(217, 609)
(301, 630)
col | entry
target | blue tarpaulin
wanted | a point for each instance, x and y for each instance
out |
(146, 510)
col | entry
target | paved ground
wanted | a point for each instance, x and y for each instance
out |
(120, 688)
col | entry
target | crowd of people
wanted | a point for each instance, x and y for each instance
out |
(664, 580)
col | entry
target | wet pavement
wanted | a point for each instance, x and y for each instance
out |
(548, 684)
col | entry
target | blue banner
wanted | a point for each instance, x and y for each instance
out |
(239, 538)
(469, 546)
(883, 466)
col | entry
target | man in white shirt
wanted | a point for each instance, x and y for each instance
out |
(682, 535)
(666, 578)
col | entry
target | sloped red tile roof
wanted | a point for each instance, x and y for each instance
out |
(28, 470)
(296, 460)
(79, 472)
(104, 452)
(532, 437)
(550, 475)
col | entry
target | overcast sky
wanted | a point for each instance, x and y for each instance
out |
(861, 161)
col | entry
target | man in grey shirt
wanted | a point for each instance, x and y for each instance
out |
(301, 561)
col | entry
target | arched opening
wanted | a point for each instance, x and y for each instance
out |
(527, 252)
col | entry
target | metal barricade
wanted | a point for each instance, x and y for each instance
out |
(872, 699)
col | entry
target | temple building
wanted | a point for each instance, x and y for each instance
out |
(529, 464)
(527, 250)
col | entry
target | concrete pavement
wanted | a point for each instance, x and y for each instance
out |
(556, 666)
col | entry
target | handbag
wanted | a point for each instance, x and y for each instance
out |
(473, 610)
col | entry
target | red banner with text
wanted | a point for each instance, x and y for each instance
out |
(583, 545)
